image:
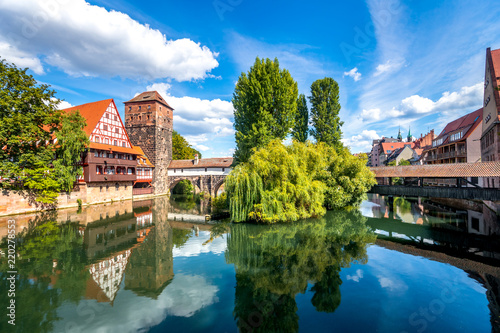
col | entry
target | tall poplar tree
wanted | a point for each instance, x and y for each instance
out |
(325, 108)
(301, 120)
(265, 105)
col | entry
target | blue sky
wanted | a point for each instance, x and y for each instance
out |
(398, 63)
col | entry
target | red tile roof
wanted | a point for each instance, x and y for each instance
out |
(469, 122)
(150, 96)
(103, 146)
(495, 75)
(220, 162)
(142, 159)
(92, 112)
(485, 169)
(394, 145)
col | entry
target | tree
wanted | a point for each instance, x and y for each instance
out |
(181, 149)
(265, 105)
(29, 123)
(301, 120)
(287, 183)
(325, 108)
(278, 183)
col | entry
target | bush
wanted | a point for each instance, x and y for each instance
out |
(183, 187)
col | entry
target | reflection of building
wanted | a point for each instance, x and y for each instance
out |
(106, 276)
(151, 268)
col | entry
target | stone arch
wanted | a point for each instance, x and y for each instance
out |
(177, 180)
(217, 186)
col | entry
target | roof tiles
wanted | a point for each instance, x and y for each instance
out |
(452, 170)
(220, 162)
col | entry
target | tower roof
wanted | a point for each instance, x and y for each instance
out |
(149, 96)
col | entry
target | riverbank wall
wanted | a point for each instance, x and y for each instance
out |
(19, 202)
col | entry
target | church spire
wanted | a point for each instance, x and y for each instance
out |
(400, 137)
(409, 135)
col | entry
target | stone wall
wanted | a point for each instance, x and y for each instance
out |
(16, 202)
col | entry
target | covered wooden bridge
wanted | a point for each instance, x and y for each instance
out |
(456, 180)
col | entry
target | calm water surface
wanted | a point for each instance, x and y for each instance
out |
(394, 265)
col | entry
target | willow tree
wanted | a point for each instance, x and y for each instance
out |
(278, 184)
(287, 183)
(325, 108)
(265, 104)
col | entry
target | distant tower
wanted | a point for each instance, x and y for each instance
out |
(149, 124)
(409, 137)
(400, 137)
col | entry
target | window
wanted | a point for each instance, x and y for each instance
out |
(98, 170)
(149, 107)
(96, 139)
(130, 108)
(117, 130)
(100, 190)
(388, 152)
(123, 144)
(106, 141)
(117, 187)
(96, 153)
(107, 115)
(223, 169)
(115, 118)
(130, 171)
(115, 143)
(456, 136)
(109, 170)
(139, 108)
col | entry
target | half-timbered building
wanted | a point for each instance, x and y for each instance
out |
(110, 161)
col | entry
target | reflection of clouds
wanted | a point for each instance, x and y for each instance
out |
(183, 297)
(189, 294)
(194, 246)
(356, 277)
(366, 208)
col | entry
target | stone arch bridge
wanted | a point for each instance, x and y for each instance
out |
(207, 174)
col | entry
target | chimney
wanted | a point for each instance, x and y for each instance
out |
(195, 159)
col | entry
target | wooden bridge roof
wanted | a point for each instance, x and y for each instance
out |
(452, 170)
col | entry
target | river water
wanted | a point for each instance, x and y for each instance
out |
(393, 265)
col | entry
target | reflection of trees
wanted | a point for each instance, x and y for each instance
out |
(51, 266)
(274, 263)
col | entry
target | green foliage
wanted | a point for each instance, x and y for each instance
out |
(220, 204)
(183, 187)
(404, 162)
(29, 123)
(301, 128)
(287, 183)
(265, 105)
(275, 263)
(180, 236)
(347, 179)
(278, 183)
(325, 108)
(181, 149)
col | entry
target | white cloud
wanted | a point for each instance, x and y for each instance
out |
(467, 98)
(362, 141)
(354, 74)
(388, 67)
(196, 118)
(20, 59)
(86, 40)
(64, 105)
(358, 276)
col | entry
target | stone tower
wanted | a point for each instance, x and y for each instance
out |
(149, 124)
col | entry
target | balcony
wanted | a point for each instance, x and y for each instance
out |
(93, 177)
(91, 159)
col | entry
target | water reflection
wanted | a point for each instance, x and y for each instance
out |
(275, 263)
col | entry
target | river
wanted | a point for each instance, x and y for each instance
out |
(393, 265)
